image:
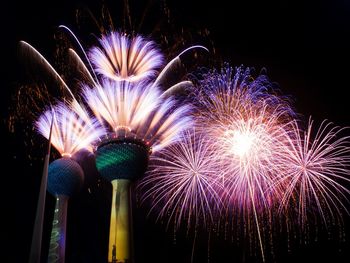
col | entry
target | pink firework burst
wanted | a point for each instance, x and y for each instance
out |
(316, 169)
(249, 130)
(182, 182)
(249, 145)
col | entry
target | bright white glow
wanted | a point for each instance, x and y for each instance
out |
(241, 143)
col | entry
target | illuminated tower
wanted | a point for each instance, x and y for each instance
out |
(65, 177)
(129, 103)
(140, 117)
(141, 121)
(70, 133)
(121, 161)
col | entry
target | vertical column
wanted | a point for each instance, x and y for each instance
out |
(119, 249)
(58, 233)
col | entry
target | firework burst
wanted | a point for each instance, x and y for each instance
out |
(249, 145)
(125, 58)
(139, 110)
(182, 181)
(248, 128)
(315, 169)
(231, 89)
(70, 133)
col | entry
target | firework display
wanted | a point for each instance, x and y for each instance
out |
(134, 117)
(232, 148)
(249, 160)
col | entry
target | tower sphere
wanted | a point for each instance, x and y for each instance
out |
(122, 159)
(65, 177)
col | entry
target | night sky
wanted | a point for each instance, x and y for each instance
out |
(303, 47)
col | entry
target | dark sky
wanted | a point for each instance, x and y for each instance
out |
(303, 46)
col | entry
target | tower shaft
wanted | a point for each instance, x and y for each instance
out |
(119, 249)
(35, 250)
(58, 233)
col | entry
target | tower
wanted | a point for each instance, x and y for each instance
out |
(121, 161)
(65, 177)
(68, 133)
